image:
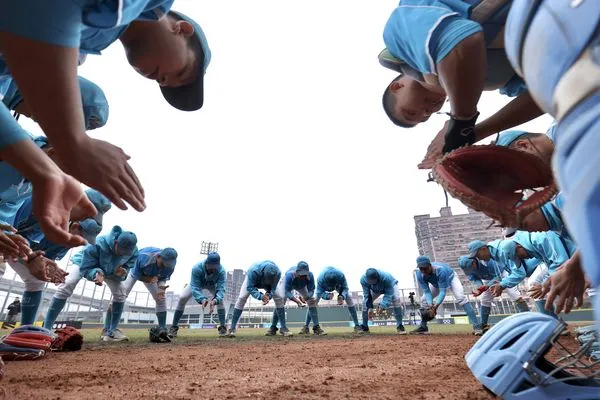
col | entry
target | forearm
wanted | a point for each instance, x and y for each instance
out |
(519, 111)
(11, 133)
(54, 103)
(254, 292)
(441, 296)
(462, 75)
(32, 162)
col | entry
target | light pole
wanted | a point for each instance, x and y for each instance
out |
(209, 247)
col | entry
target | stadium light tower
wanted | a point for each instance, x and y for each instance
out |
(209, 247)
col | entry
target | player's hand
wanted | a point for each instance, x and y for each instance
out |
(340, 300)
(54, 197)
(13, 246)
(265, 299)
(435, 149)
(481, 289)
(104, 167)
(535, 291)
(161, 294)
(328, 296)
(99, 278)
(496, 290)
(379, 309)
(204, 304)
(37, 266)
(566, 286)
(212, 305)
(120, 271)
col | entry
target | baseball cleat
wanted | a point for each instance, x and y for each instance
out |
(485, 327)
(115, 336)
(222, 331)
(317, 330)
(173, 331)
(271, 332)
(231, 333)
(421, 330)
(103, 334)
(362, 329)
(400, 330)
(477, 331)
(285, 333)
(304, 331)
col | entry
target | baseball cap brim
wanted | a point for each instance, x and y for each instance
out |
(190, 97)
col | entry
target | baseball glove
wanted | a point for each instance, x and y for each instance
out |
(26, 343)
(67, 339)
(491, 179)
(159, 335)
(427, 313)
(479, 290)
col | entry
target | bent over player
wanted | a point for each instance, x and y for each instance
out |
(374, 284)
(108, 261)
(300, 279)
(435, 279)
(207, 285)
(332, 279)
(263, 275)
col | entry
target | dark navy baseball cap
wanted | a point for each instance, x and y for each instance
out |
(190, 97)
(169, 257)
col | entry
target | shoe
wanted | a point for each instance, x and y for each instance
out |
(485, 327)
(231, 333)
(286, 333)
(421, 330)
(271, 332)
(103, 334)
(304, 331)
(317, 330)
(173, 331)
(115, 336)
(357, 329)
(400, 330)
(477, 331)
(222, 331)
(362, 329)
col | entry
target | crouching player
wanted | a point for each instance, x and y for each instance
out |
(374, 284)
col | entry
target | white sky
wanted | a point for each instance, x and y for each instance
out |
(292, 157)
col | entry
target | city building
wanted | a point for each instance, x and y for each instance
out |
(233, 284)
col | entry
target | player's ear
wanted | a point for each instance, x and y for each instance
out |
(184, 28)
(522, 144)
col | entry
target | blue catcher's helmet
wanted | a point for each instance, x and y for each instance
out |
(509, 361)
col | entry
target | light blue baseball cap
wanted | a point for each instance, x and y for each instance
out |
(95, 105)
(302, 268)
(506, 138)
(423, 261)
(169, 257)
(41, 141)
(190, 97)
(474, 247)
(126, 243)
(99, 201)
(90, 229)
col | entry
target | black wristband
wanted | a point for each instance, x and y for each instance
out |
(460, 133)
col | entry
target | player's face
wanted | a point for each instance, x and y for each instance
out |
(165, 56)
(428, 270)
(521, 253)
(414, 103)
(535, 222)
(540, 146)
(484, 254)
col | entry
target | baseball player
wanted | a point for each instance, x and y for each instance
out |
(29, 228)
(484, 274)
(547, 247)
(332, 279)
(374, 284)
(108, 261)
(41, 45)
(434, 279)
(299, 279)
(153, 267)
(263, 275)
(449, 49)
(535, 282)
(207, 285)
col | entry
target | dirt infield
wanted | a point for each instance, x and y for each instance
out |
(330, 367)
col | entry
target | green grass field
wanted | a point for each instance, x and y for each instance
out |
(195, 335)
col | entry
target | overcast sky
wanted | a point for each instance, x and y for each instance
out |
(292, 157)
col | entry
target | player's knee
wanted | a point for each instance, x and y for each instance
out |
(221, 306)
(161, 306)
(312, 302)
(462, 300)
(33, 285)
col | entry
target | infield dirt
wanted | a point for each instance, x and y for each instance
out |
(352, 367)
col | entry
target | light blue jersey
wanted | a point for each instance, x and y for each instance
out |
(384, 286)
(214, 282)
(264, 275)
(102, 257)
(292, 282)
(441, 279)
(329, 280)
(146, 265)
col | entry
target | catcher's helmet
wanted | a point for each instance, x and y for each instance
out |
(509, 361)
